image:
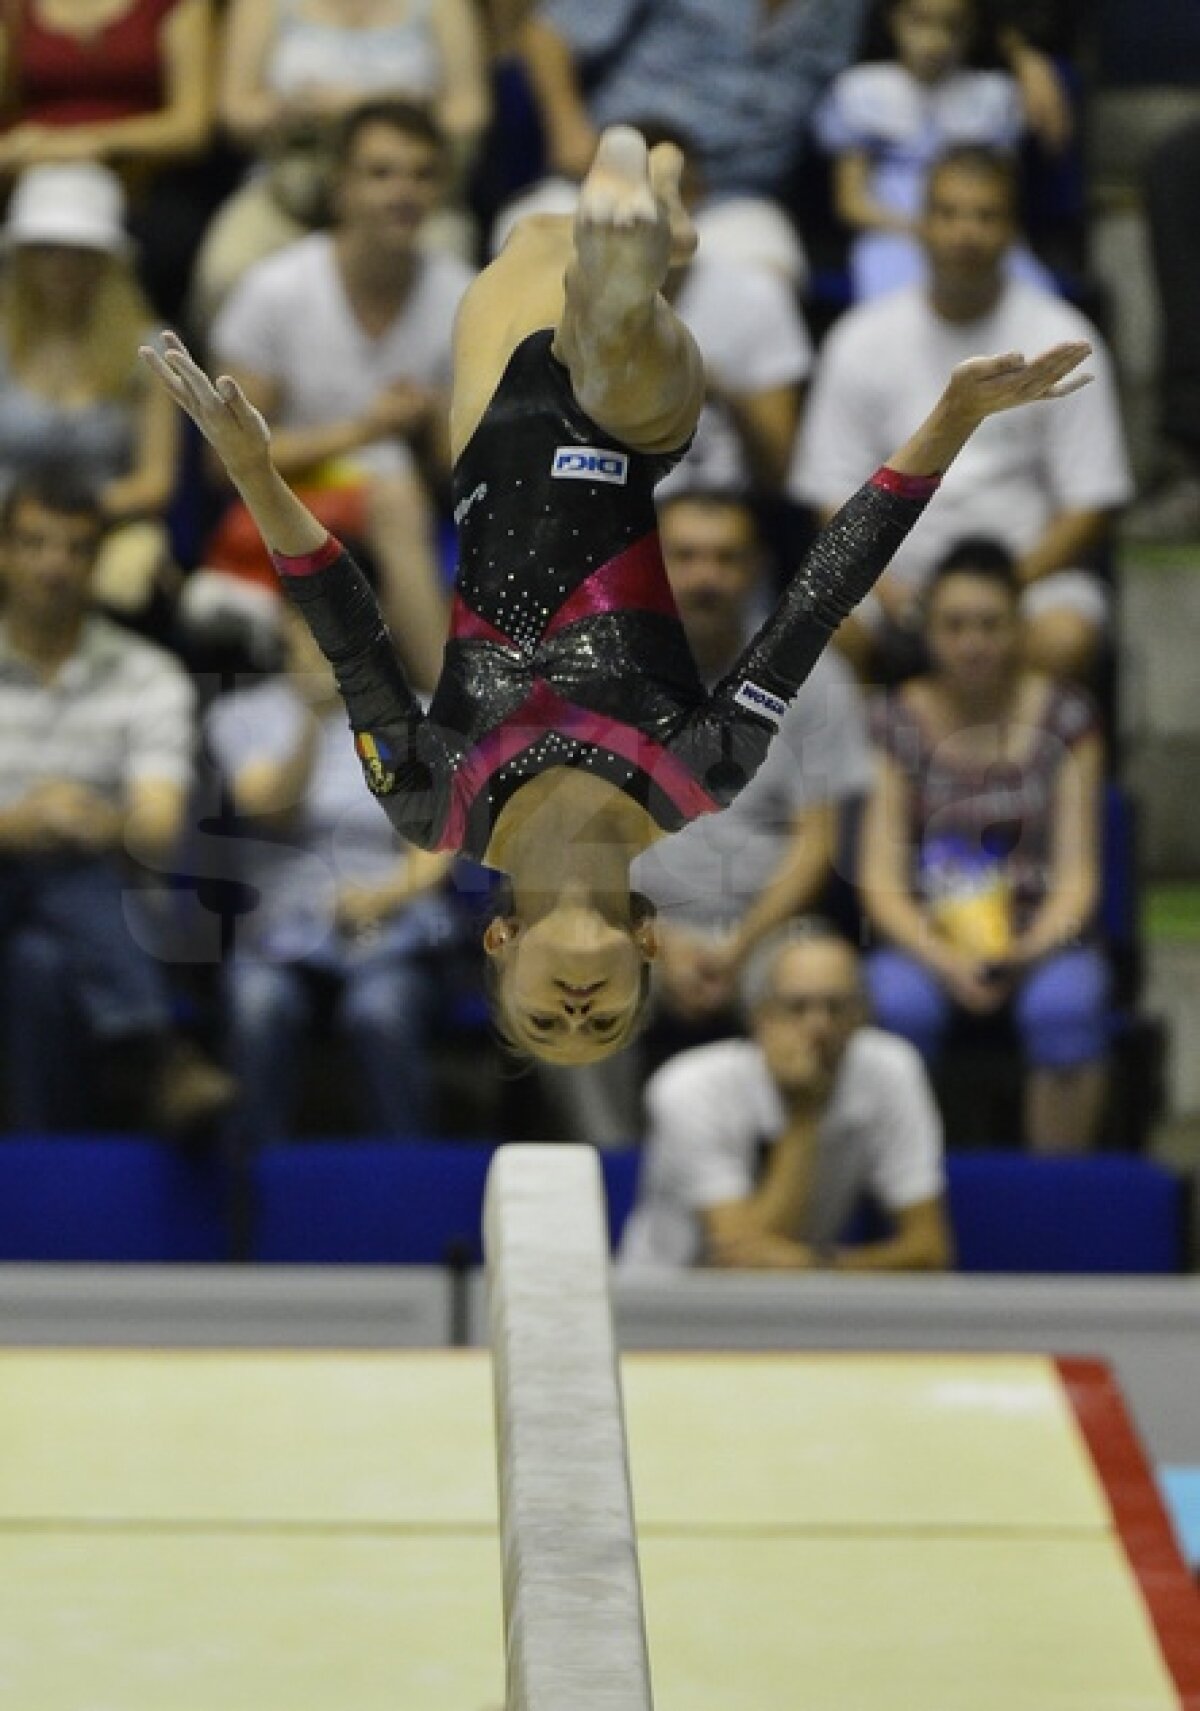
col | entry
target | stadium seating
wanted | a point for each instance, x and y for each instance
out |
(106, 1199)
(102, 1199)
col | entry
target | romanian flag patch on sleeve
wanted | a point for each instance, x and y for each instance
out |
(376, 760)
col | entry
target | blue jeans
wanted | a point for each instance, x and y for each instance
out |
(72, 972)
(45, 1054)
(1060, 1006)
(116, 984)
(385, 1005)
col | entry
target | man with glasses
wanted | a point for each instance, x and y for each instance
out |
(759, 1151)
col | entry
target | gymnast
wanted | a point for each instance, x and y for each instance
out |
(569, 729)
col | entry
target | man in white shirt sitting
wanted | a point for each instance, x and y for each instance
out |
(1045, 482)
(759, 1151)
(342, 340)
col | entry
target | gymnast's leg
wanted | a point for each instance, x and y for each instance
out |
(634, 366)
(595, 279)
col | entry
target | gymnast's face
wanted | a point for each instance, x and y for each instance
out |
(569, 984)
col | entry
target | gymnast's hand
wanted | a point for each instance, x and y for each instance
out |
(982, 387)
(985, 385)
(229, 422)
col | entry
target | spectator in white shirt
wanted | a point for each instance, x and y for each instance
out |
(342, 340)
(760, 1150)
(1046, 483)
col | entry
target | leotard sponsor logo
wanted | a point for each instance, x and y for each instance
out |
(589, 463)
(761, 701)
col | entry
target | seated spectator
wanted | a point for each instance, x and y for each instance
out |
(886, 123)
(71, 388)
(1172, 189)
(760, 1150)
(746, 89)
(346, 917)
(95, 762)
(979, 863)
(342, 340)
(128, 84)
(291, 71)
(744, 76)
(1046, 482)
(725, 882)
(751, 334)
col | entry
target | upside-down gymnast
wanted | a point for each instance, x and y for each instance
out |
(569, 729)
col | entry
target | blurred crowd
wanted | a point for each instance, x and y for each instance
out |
(207, 927)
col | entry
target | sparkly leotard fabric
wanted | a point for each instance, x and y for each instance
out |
(565, 645)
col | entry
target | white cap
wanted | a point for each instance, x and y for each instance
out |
(81, 205)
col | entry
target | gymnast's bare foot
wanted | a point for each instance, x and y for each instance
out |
(666, 175)
(623, 227)
(634, 366)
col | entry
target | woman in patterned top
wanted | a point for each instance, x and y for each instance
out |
(569, 729)
(980, 861)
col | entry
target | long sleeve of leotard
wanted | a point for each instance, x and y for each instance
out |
(403, 762)
(725, 740)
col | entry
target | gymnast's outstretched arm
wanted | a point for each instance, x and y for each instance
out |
(322, 579)
(726, 740)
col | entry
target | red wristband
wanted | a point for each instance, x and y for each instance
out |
(307, 564)
(906, 486)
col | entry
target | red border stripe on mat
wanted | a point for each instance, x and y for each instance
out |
(1141, 1520)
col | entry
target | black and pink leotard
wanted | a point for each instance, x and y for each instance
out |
(565, 647)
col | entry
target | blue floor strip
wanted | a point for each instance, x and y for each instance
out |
(1180, 1487)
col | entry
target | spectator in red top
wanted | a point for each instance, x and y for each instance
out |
(127, 83)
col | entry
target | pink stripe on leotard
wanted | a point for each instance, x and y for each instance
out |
(466, 625)
(634, 581)
(543, 711)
